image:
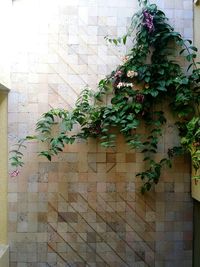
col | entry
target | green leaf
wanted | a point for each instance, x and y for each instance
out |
(115, 41)
(185, 80)
(161, 71)
(189, 41)
(45, 154)
(189, 67)
(154, 93)
(193, 48)
(124, 39)
(183, 50)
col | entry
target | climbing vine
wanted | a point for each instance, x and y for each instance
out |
(149, 75)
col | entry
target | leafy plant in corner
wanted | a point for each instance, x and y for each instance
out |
(191, 142)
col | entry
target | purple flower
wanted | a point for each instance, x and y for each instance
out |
(148, 21)
(14, 173)
(139, 98)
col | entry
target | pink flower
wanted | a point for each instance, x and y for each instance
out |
(118, 74)
(14, 173)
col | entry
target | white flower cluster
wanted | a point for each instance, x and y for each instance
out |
(124, 85)
(125, 59)
(132, 73)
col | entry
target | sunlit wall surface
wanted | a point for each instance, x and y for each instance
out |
(85, 206)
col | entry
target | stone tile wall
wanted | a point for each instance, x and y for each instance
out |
(84, 208)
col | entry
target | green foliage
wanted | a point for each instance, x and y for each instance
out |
(149, 76)
(191, 141)
(17, 156)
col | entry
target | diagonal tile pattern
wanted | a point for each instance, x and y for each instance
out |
(85, 207)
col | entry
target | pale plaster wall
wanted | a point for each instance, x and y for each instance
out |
(3, 165)
(4, 256)
(4, 81)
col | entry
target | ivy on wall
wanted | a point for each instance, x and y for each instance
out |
(150, 74)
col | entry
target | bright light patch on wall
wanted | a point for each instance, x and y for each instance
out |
(5, 43)
(30, 27)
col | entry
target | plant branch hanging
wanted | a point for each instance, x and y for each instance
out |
(150, 73)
